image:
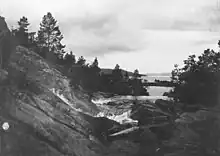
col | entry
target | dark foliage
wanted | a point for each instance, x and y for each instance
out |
(48, 44)
(50, 37)
(91, 78)
(7, 44)
(21, 33)
(161, 83)
(198, 81)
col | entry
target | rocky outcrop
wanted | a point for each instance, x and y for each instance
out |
(40, 114)
(41, 122)
(7, 44)
(45, 115)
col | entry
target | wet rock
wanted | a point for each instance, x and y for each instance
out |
(111, 104)
(101, 127)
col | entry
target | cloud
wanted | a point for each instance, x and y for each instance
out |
(206, 41)
(101, 50)
(188, 25)
(93, 22)
(185, 16)
(119, 47)
(207, 38)
(101, 34)
(98, 24)
(140, 28)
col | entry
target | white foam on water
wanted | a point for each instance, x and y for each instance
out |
(122, 118)
(125, 117)
(62, 97)
(101, 101)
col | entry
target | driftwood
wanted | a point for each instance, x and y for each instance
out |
(132, 129)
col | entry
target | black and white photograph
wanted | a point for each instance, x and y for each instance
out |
(109, 77)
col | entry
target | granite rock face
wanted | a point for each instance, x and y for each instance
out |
(45, 115)
(7, 44)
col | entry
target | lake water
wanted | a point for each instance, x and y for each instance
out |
(152, 78)
(158, 91)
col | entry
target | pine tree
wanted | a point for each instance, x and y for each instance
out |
(117, 67)
(136, 74)
(49, 36)
(69, 59)
(95, 67)
(22, 32)
(117, 74)
(23, 24)
(175, 74)
(95, 63)
(81, 61)
(126, 76)
(136, 83)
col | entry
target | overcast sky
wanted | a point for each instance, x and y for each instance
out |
(151, 35)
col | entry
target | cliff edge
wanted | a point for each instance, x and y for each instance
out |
(45, 116)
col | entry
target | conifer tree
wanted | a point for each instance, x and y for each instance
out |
(117, 67)
(136, 83)
(81, 61)
(95, 63)
(23, 24)
(49, 36)
(69, 59)
(126, 76)
(22, 32)
(117, 74)
(136, 74)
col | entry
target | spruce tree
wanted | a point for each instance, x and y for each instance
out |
(126, 76)
(81, 61)
(49, 36)
(117, 74)
(136, 74)
(136, 83)
(69, 59)
(23, 24)
(22, 32)
(117, 67)
(95, 63)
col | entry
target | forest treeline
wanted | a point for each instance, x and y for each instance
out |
(197, 82)
(47, 42)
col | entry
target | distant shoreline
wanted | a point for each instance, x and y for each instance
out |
(152, 78)
(156, 76)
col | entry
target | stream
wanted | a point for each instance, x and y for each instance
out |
(118, 108)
